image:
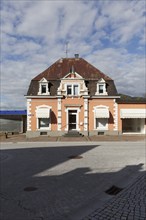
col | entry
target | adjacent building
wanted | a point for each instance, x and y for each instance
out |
(73, 95)
(13, 121)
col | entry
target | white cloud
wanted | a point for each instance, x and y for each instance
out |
(33, 36)
(124, 18)
(127, 70)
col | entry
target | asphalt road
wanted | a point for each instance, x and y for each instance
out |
(64, 181)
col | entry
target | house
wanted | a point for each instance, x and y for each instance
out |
(73, 95)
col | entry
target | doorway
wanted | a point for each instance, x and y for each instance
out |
(72, 119)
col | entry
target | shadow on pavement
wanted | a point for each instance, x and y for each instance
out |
(58, 186)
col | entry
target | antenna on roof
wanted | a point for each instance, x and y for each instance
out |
(66, 48)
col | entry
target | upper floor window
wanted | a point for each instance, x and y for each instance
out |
(101, 87)
(73, 89)
(43, 87)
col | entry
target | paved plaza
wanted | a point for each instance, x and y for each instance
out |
(69, 180)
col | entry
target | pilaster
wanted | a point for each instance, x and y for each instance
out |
(59, 114)
(115, 116)
(28, 114)
(86, 114)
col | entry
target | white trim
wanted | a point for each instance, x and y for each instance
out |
(105, 97)
(72, 89)
(37, 121)
(101, 82)
(101, 128)
(78, 76)
(77, 118)
(59, 114)
(43, 82)
(115, 116)
(44, 128)
(85, 114)
(28, 114)
(43, 96)
(95, 118)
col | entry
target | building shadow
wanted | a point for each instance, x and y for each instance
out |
(44, 183)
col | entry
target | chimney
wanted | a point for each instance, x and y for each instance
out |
(77, 55)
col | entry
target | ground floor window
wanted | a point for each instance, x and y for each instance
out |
(133, 125)
(101, 123)
(44, 123)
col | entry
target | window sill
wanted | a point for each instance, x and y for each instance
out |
(101, 94)
(45, 94)
(100, 129)
(73, 96)
(44, 129)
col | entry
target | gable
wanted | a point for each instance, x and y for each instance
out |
(43, 80)
(73, 75)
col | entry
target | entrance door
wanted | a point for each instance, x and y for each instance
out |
(72, 117)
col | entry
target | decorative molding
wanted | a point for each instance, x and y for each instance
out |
(102, 83)
(115, 115)
(43, 82)
(73, 105)
(28, 114)
(59, 119)
(86, 115)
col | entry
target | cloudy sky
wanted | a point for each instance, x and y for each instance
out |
(110, 34)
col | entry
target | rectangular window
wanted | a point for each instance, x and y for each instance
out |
(72, 90)
(75, 90)
(44, 123)
(43, 89)
(100, 88)
(101, 123)
(69, 90)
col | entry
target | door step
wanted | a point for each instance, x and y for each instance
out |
(73, 134)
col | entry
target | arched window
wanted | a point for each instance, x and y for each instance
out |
(43, 114)
(101, 115)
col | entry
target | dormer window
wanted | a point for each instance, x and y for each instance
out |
(72, 90)
(43, 87)
(101, 87)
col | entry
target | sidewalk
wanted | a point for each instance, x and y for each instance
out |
(130, 204)
(22, 138)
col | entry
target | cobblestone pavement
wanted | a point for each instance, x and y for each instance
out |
(129, 204)
(39, 181)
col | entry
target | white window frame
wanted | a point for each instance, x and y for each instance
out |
(95, 118)
(43, 128)
(101, 128)
(101, 82)
(37, 119)
(43, 82)
(72, 89)
(77, 118)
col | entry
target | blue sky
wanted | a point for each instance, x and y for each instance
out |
(110, 34)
